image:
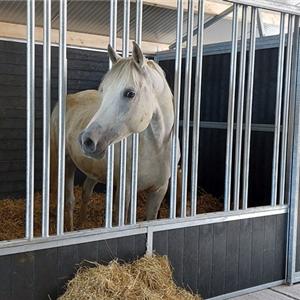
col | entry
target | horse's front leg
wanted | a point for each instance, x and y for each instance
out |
(69, 193)
(153, 201)
(87, 190)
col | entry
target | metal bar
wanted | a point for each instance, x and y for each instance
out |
(249, 99)
(286, 103)
(278, 112)
(231, 101)
(46, 116)
(97, 234)
(135, 136)
(260, 24)
(177, 89)
(294, 175)
(123, 147)
(211, 21)
(62, 88)
(110, 150)
(197, 109)
(240, 111)
(186, 108)
(30, 119)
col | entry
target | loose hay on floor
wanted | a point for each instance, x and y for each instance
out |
(12, 212)
(148, 278)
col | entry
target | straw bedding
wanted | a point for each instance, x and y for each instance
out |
(148, 278)
(12, 212)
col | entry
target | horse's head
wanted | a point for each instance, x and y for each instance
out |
(128, 102)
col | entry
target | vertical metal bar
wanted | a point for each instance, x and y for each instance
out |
(240, 110)
(249, 99)
(123, 147)
(294, 174)
(186, 108)
(278, 112)
(197, 109)
(30, 119)
(62, 88)
(46, 116)
(231, 102)
(177, 88)
(135, 136)
(286, 102)
(110, 150)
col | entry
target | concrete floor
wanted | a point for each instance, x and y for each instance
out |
(283, 292)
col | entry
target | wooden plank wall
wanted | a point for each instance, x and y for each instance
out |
(225, 257)
(85, 70)
(210, 259)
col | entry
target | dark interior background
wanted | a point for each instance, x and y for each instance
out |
(85, 70)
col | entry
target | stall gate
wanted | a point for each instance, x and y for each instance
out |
(218, 255)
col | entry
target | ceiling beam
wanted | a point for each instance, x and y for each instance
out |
(85, 40)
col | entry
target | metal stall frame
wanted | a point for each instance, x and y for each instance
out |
(29, 243)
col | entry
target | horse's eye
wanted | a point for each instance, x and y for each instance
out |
(129, 94)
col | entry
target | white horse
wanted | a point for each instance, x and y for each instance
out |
(134, 97)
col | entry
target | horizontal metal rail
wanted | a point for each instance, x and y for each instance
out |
(91, 235)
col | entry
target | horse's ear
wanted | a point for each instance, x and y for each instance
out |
(113, 55)
(137, 54)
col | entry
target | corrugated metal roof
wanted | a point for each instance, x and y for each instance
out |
(159, 24)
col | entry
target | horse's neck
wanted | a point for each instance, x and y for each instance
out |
(163, 118)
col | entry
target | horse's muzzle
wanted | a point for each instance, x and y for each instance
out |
(89, 142)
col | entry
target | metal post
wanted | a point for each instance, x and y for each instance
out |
(197, 109)
(123, 147)
(249, 99)
(135, 136)
(294, 174)
(278, 112)
(186, 108)
(30, 119)
(46, 116)
(286, 103)
(62, 87)
(110, 150)
(231, 101)
(240, 110)
(177, 88)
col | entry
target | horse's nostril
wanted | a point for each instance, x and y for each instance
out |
(89, 144)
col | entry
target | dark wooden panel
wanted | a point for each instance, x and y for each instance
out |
(205, 260)
(175, 252)
(67, 261)
(160, 242)
(219, 259)
(244, 262)
(140, 245)
(23, 276)
(281, 229)
(258, 229)
(5, 277)
(88, 252)
(190, 257)
(45, 274)
(107, 250)
(269, 248)
(126, 248)
(232, 256)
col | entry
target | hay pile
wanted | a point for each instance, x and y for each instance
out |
(12, 212)
(148, 278)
